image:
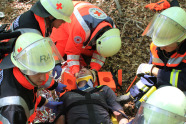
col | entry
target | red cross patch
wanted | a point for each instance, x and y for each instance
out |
(59, 6)
(97, 13)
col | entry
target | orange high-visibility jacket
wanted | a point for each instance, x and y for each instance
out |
(173, 61)
(72, 38)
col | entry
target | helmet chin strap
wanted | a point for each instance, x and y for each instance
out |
(26, 76)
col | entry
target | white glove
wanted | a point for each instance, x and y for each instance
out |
(144, 68)
(123, 121)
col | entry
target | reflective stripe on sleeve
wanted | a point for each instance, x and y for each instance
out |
(15, 100)
(72, 63)
(99, 57)
(97, 61)
(73, 57)
(174, 77)
(157, 61)
(3, 120)
(175, 61)
(142, 86)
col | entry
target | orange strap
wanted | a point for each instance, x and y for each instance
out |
(131, 83)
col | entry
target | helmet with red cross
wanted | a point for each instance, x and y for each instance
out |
(34, 54)
(59, 9)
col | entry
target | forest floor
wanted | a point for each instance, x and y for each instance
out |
(130, 17)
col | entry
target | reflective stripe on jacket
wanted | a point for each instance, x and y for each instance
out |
(173, 61)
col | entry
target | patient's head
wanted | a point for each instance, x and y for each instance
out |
(85, 79)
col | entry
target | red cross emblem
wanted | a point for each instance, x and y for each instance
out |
(59, 6)
(19, 50)
(98, 13)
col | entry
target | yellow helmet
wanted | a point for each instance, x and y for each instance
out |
(167, 27)
(59, 9)
(109, 43)
(171, 109)
(34, 54)
(167, 105)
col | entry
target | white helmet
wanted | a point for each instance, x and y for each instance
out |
(34, 54)
(167, 27)
(59, 9)
(167, 105)
(109, 43)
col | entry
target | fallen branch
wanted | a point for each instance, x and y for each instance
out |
(118, 7)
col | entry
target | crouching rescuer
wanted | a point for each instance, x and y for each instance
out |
(24, 71)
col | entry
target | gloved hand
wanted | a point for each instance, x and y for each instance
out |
(160, 5)
(144, 69)
(131, 121)
(123, 121)
(130, 96)
(138, 89)
(57, 69)
(53, 105)
(60, 87)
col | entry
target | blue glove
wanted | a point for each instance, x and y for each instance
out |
(57, 69)
(131, 121)
(53, 105)
(60, 87)
(147, 80)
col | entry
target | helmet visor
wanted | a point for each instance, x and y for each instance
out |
(149, 114)
(164, 31)
(38, 57)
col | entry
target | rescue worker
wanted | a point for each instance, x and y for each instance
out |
(33, 58)
(167, 65)
(163, 107)
(88, 104)
(42, 17)
(89, 38)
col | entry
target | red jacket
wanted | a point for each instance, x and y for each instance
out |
(72, 38)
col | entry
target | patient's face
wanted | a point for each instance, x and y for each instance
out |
(84, 72)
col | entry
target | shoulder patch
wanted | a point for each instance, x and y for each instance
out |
(97, 13)
(77, 39)
(16, 22)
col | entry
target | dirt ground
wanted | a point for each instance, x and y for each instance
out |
(130, 17)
